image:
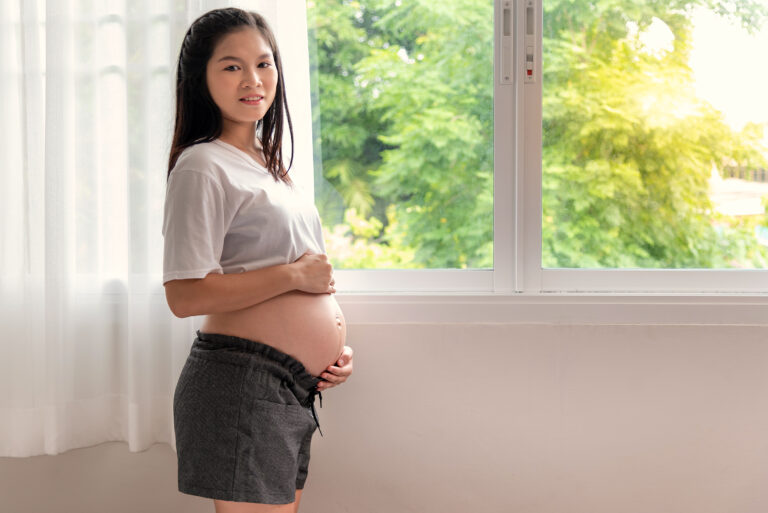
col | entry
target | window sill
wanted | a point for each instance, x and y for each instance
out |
(747, 309)
(593, 308)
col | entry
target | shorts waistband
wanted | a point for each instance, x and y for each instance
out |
(278, 362)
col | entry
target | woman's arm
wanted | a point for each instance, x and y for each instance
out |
(218, 293)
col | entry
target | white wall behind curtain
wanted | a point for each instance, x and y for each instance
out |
(90, 352)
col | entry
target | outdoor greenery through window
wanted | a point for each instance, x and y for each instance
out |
(402, 95)
(654, 139)
(655, 145)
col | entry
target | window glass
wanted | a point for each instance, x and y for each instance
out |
(655, 145)
(403, 125)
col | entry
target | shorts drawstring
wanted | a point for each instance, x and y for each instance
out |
(312, 407)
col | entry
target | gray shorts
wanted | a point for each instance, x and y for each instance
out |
(244, 415)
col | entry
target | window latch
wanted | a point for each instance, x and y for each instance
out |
(530, 42)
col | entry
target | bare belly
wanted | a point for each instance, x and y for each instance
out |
(309, 327)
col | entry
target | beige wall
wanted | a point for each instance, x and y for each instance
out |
(492, 418)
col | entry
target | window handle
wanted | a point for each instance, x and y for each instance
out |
(530, 41)
(507, 40)
(507, 43)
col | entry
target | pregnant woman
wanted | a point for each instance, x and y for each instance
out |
(244, 248)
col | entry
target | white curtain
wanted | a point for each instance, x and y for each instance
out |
(90, 351)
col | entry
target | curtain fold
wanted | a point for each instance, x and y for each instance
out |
(91, 353)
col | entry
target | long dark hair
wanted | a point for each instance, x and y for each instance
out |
(198, 118)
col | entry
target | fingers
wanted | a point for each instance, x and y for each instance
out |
(345, 358)
(324, 385)
(340, 372)
(346, 352)
(316, 273)
(330, 380)
(337, 374)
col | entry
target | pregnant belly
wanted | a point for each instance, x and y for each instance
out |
(309, 327)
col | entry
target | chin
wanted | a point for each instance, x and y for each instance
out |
(246, 119)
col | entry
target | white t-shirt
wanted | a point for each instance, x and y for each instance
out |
(224, 213)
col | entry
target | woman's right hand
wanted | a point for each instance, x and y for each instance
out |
(315, 274)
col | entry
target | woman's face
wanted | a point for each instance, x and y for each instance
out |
(242, 77)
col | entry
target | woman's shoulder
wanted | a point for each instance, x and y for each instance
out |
(202, 153)
(202, 157)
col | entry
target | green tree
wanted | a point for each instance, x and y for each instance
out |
(345, 129)
(405, 128)
(628, 147)
(405, 95)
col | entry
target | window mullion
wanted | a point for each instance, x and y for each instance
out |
(530, 166)
(506, 153)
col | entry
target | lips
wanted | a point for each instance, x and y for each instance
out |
(252, 100)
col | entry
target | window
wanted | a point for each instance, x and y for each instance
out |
(652, 156)
(403, 132)
(610, 164)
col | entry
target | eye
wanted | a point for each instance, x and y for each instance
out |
(265, 64)
(229, 68)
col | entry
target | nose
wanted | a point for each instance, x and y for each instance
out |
(251, 79)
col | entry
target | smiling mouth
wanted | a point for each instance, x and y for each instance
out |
(252, 100)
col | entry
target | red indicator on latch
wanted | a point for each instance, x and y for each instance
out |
(530, 72)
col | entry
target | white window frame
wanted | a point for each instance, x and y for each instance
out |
(517, 214)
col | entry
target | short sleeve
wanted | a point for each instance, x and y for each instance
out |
(195, 222)
(319, 232)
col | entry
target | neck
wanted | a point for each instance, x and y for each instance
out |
(241, 135)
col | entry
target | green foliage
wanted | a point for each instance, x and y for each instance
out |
(406, 114)
(628, 147)
(345, 129)
(405, 129)
(356, 244)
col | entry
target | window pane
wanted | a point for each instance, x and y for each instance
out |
(403, 126)
(654, 134)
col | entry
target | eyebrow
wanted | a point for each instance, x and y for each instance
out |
(238, 59)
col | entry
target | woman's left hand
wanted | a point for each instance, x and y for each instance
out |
(337, 374)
